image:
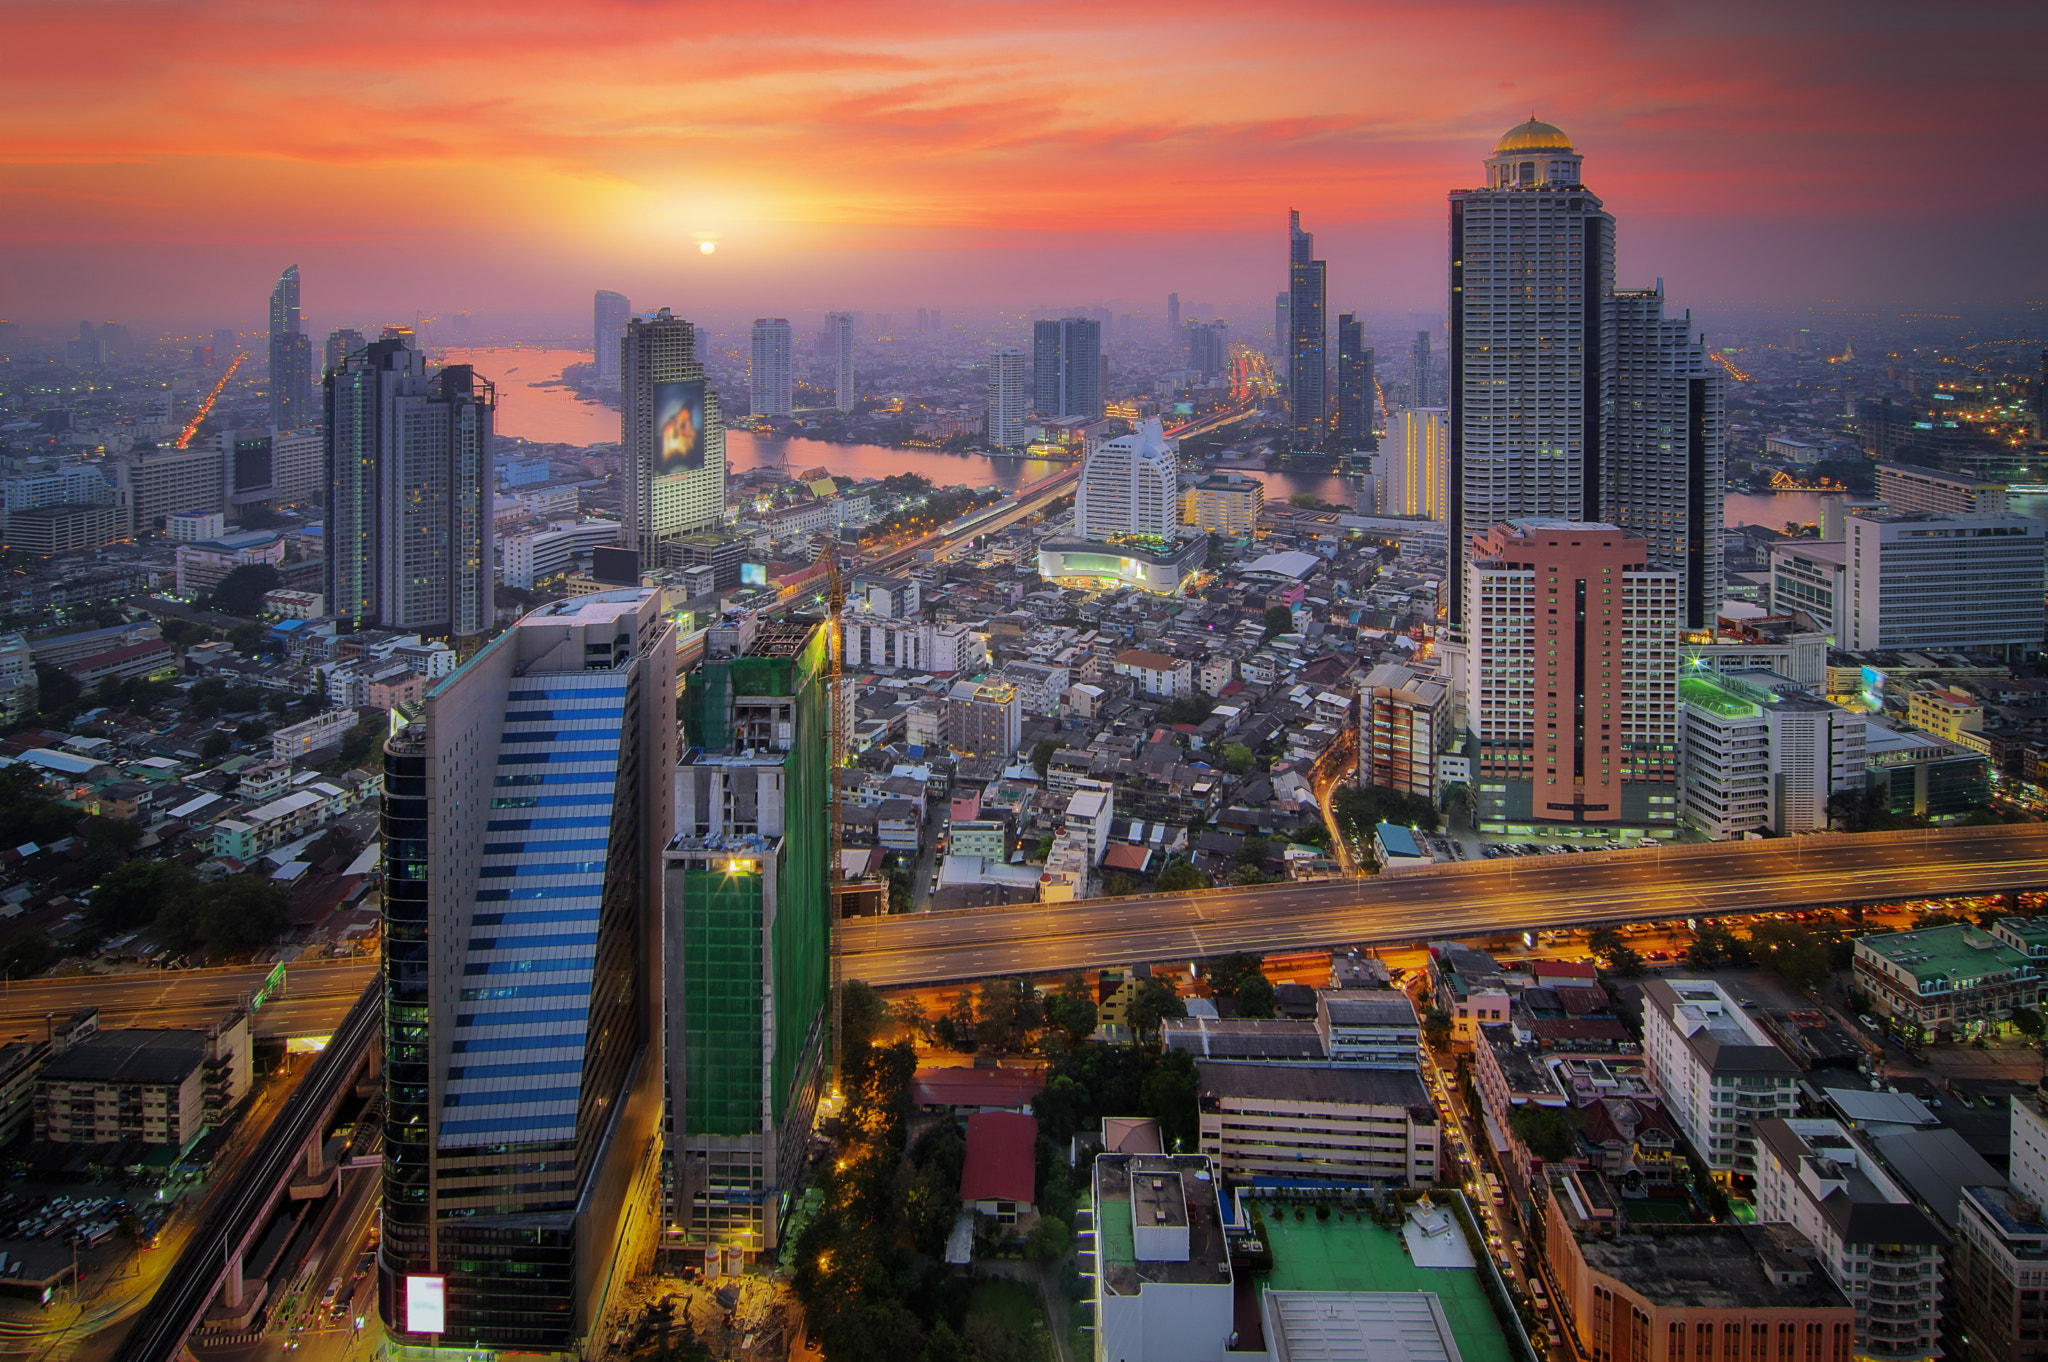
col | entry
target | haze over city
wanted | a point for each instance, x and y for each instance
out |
(164, 160)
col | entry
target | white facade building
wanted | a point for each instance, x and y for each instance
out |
(839, 335)
(1009, 398)
(530, 558)
(770, 375)
(1130, 485)
(1156, 673)
(1755, 754)
(1412, 471)
(1720, 1075)
(912, 645)
(1929, 580)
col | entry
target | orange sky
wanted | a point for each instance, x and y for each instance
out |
(164, 159)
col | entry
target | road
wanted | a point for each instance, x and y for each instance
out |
(1478, 898)
(316, 996)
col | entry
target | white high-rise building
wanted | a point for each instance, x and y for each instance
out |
(770, 383)
(839, 330)
(1130, 485)
(1009, 385)
(1754, 753)
(1929, 580)
(671, 437)
(609, 333)
(1532, 264)
(1411, 471)
(1662, 465)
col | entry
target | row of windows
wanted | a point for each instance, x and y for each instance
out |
(548, 801)
(579, 964)
(559, 891)
(504, 993)
(521, 848)
(491, 943)
(527, 1070)
(542, 824)
(543, 1017)
(505, 872)
(572, 693)
(533, 919)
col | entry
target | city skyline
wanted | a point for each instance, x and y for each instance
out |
(875, 158)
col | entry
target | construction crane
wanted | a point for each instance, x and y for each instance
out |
(835, 728)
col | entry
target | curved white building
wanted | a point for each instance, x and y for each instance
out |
(1130, 485)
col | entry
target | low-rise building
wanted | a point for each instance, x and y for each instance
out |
(296, 741)
(1467, 985)
(1678, 1293)
(1946, 983)
(1156, 674)
(1720, 1074)
(1374, 1028)
(156, 1087)
(1163, 1285)
(294, 605)
(1883, 1251)
(1998, 1270)
(1319, 1123)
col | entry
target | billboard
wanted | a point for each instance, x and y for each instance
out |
(753, 574)
(678, 426)
(425, 1305)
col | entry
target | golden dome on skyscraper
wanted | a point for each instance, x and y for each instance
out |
(1532, 136)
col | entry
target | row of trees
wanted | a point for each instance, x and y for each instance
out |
(228, 917)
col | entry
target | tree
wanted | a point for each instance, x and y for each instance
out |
(358, 742)
(2027, 1021)
(107, 844)
(250, 640)
(233, 916)
(1228, 974)
(241, 592)
(1041, 754)
(1188, 709)
(1603, 941)
(1258, 1000)
(1436, 1027)
(862, 1013)
(1155, 1004)
(1714, 946)
(1542, 1130)
(1255, 850)
(1626, 961)
(1048, 1240)
(216, 746)
(910, 1015)
(1072, 1010)
(1305, 500)
(56, 689)
(1791, 952)
(1179, 877)
(1238, 757)
(183, 633)
(1118, 885)
(1169, 1096)
(1279, 620)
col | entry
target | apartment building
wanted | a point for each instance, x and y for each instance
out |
(1720, 1074)
(1947, 983)
(1318, 1123)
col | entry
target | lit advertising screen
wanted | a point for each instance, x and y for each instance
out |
(678, 426)
(426, 1301)
(753, 574)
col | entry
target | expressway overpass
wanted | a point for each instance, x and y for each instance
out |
(315, 997)
(1470, 899)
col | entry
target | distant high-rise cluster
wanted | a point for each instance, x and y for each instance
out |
(1421, 383)
(770, 375)
(291, 356)
(1208, 348)
(1067, 367)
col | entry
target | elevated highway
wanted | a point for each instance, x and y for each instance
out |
(316, 995)
(1470, 899)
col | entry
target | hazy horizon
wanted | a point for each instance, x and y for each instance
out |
(506, 161)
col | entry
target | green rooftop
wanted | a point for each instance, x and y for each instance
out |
(1705, 692)
(1358, 1255)
(1954, 956)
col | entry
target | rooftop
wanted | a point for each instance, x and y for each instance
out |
(1209, 1038)
(1958, 954)
(1350, 1084)
(1117, 1177)
(129, 1056)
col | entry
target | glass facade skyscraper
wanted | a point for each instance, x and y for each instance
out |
(291, 356)
(672, 437)
(525, 810)
(1066, 356)
(1308, 376)
(1357, 388)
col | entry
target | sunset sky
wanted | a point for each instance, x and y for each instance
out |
(162, 160)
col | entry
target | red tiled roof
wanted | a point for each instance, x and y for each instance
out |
(1124, 856)
(1001, 1158)
(961, 1086)
(1579, 1028)
(1581, 1001)
(1566, 969)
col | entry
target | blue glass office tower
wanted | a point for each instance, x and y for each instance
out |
(526, 807)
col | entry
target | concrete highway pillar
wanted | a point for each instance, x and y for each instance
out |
(231, 1289)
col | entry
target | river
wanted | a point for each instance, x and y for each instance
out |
(556, 415)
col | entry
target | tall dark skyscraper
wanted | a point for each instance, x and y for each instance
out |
(1420, 385)
(1308, 375)
(409, 498)
(673, 439)
(1067, 367)
(1173, 311)
(1357, 388)
(291, 356)
(746, 933)
(1532, 265)
(527, 802)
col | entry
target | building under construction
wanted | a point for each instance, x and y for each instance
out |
(747, 932)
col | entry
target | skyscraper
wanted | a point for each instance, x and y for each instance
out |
(1357, 388)
(1009, 384)
(1532, 263)
(839, 330)
(409, 524)
(1308, 375)
(770, 379)
(526, 805)
(1067, 367)
(1413, 467)
(1130, 485)
(671, 436)
(607, 333)
(1208, 348)
(1280, 335)
(1663, 463)
(291, 356)
(341, 344)
(746, 931)
(1173, 312)
(1420, 387)
(1576, 712)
